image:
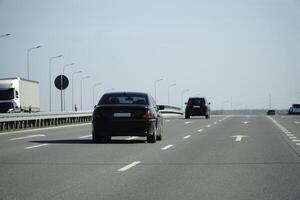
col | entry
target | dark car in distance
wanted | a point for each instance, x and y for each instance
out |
(197, 106)
(127, 114)
(271, 112)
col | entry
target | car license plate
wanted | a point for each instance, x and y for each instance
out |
(196, 106)
(122, 114)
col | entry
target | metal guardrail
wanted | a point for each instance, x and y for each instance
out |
(17, 121)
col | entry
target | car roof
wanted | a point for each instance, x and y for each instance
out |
(129, 93)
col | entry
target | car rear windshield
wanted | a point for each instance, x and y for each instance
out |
(296, 105)
(124, 98)
(197, 101)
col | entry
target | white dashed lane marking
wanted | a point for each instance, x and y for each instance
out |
(85, 136)
(186, 137)
(200, 130)
(27, 137)
(167, 147)
(36, 146)
(125, 168)
(208, 126)
(296, 140)
(188, 122)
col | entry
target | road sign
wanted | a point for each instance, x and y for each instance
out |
(61, 82)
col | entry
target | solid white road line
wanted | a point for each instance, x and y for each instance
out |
(283, 129)
(186, 137)
(47, 128)
(188, 122)
(167, 147)
(85, 136)
(296, 140)
(131, 138)
(26, 137)
(200, 130)
(129, 166)
(40, 145)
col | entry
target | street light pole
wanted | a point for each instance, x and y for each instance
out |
(94, 92)
(155, 82)
(169, 87)
(73, 105)
(50, 62)
(182, 93)
(64, 99)
(28, 51)
(81, 81)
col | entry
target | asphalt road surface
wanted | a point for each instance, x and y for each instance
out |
(225, 157)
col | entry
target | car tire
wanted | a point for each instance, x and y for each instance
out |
(152, 138)
(207, 116)
(96, 139)
(106, 139)
(187, 116)
(158, 138)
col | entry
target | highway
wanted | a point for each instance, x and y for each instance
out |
(225, 157)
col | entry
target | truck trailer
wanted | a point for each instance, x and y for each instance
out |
(19, 95)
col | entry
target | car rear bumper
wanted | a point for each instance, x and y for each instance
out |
(196, 112)
(123, 127)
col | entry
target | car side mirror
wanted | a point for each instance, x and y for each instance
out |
(95, 106)
(161, 107)
(208, 103)
(185, 103)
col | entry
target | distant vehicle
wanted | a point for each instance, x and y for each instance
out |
(19, 95)
(127, 114)
(197, 106)
(271, 112)
(294, 109)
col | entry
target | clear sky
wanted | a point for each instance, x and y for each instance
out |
(244, 49)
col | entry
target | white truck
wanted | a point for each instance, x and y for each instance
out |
(19, 95)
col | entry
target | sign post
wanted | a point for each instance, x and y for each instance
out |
(61, 82)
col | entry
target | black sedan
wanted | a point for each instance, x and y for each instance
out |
(127, 114)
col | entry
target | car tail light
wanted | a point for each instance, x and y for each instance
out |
(149, 115)
(96, 115)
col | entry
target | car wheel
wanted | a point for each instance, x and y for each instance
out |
(152, 138)
(106, 139)
(96, 139)
(207, 116)
(187, 116)
(158, 137)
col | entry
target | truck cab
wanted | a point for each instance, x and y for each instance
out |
(18, 95)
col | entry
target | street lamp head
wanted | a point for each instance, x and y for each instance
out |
(69, 64)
